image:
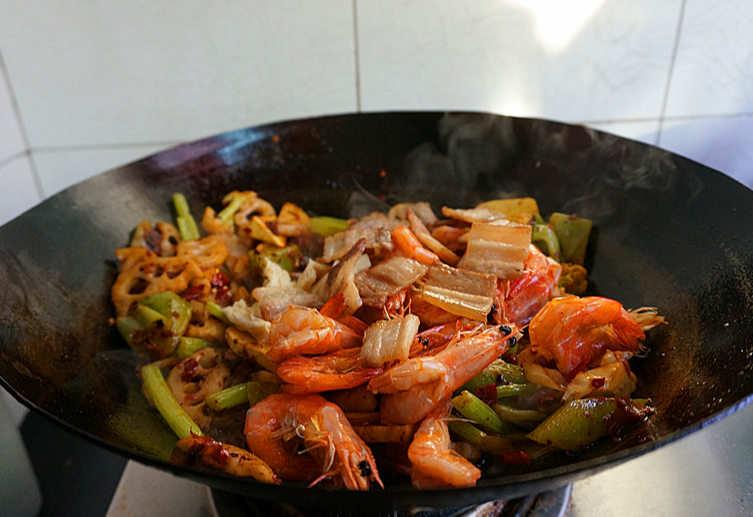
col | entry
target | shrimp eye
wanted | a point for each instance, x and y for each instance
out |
(513, 341)
(505, 329)
(365, 468)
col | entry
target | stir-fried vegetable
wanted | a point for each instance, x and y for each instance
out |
(168, 407)
(186, 222)
(573, 233)
(435, 342)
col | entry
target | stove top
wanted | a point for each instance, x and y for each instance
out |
(707, 473)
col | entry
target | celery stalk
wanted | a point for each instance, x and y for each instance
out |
(227, 398)
(168, 407)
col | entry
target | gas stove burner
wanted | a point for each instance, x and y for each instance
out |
(553, 503)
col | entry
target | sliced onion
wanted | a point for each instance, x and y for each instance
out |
(547, 377)
(341, 278)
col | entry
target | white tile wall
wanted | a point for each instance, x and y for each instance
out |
(725, 144)
(713, 72)
(59, 169)
(18, 192)
(575, 61)
(11, 141)
(104, 73)
(646, 131)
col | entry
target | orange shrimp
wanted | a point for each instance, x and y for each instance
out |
(433, 463)
(336, 307)
(300, 330)
(334, 449)
(340, 370)
(526, 295)
(410, 246)
(431, 340)
(417, 386)
(574, 331)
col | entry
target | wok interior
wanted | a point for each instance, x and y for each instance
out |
(669, 233)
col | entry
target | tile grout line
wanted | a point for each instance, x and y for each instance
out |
(670, 71)
(13, 158)
(22, 128)
(356, 51)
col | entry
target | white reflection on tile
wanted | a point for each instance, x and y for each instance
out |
(489, 57)
(105, 73)
(725, 144)
(59, 170)
(642, 131)
(713, 72)
(19, 193)
(145, 491)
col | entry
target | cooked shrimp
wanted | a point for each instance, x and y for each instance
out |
(271, 434)
(431, 340)
(417, 386)
(340, 370)
(535, 287)
(335, 308)
(300, 330)
(575, 331)
(434, 464)
(334, 449)
(409, 246)
(228, 458)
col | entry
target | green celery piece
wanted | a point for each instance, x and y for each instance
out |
(227, 213)
(544, 238)
(508, 373)
(186, 223)
(187, 346)
(523, 417)
(216, 311)
(473, 408)
(328, 226)
(577, 424)
(227, 398)
(168, 407)
(485, 442)
(516, 390)
(573, 233)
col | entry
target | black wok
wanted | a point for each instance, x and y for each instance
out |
(670, 233)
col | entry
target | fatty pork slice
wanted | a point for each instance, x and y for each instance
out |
(464, 293)
(497, 249)
(377, 284)
(389, 340)
(378, 241)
